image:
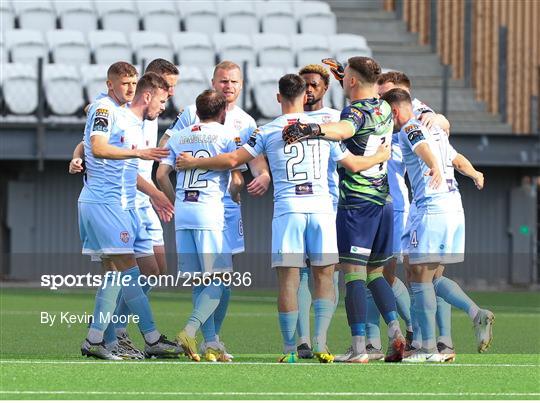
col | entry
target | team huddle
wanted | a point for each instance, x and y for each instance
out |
(341, 204)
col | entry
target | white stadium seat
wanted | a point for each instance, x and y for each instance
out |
(273, 50)
(336, 93)
(193, 48)
(277, 17)
(159, 15)
(200, 16)
(150, 45)
(345, 46)
(109, 46)
(192, 84)
(38, 15)
(234, 47)
(3, 49)
(239, 17)
(94, 77)
(20, 88)
(7, 16)
(63, 89)
(26, 45)
(264, 82)
(79, 15)
(315, 17)
(118, 15)
(310, 48)
(68, 46)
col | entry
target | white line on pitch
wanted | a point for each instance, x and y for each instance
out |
(150, 362)
(148, 393)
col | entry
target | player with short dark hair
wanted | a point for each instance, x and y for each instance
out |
(200, 214)
(303, 223)
(364, 218)
(437, 227)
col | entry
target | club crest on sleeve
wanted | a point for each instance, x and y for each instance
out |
(124, 236)
(253, 138)
(238, 141)
(196, 128)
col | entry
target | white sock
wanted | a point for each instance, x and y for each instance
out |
(359, 344)
(289, 349)
(429, 345)
(190, 330)
(120, 331)
(473, 311)
(393, 327)
(302, 340)
(446, 340)
(152, 337)
(376, 343)
(94, 336)
(112, 345)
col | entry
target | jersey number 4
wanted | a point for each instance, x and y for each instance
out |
(192, 177)
(294, 174)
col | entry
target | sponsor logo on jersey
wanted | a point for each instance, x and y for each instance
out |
(100, 124)
(253, 138)
(304, 189)
(124, 236)
(191, 196)
(415, 136)
(326, 119)
(196, 128)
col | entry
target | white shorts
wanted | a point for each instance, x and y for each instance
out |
(202, 251)
(437, 237)
(151, 222)
(234, 230)
(297, 236)
(110, 230)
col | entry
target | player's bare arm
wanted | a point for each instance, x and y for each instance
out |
(259, 169)
(164, 181)
(163, 140)
(358, 163)
(76, 163)
(236, 185)
(102, 149)
(424, 152)
(220, 162)
(464, 167)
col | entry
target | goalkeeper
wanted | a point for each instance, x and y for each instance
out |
(364, 218)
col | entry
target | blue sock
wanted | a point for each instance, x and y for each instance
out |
(444, 320)
(221, 310)
(373, 331)
(355, 303)
(324, 309)
(138, 303)
(304, 307)
(452, 293)
(383, 296)
(122, 311)
(425, 307)
(336, 289)
(417, 333)
(105, 305)
(208, 328)
(287, 325)
(205, 305)
(403, 302)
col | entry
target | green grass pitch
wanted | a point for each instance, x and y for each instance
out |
(42, 362)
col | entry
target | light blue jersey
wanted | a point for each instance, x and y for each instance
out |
(238, 123)
(300, 170)
(132, 138)
(444, 198)
(103, 177)
(322, 116)
(149, 140)
(199, 193)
